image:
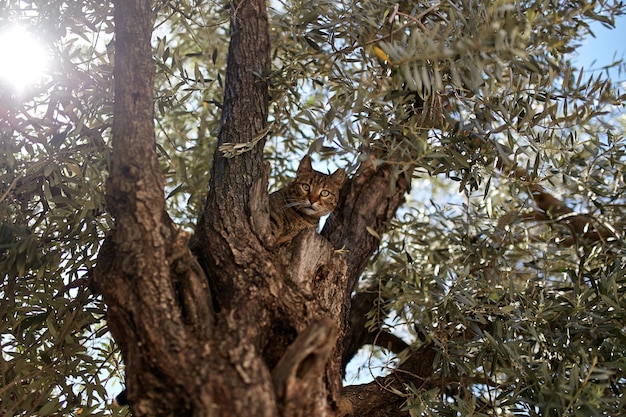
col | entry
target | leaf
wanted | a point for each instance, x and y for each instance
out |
(49, 408)
(372, 232)
(381, 54)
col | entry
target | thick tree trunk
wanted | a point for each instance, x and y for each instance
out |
(159, 309)
(252, 329)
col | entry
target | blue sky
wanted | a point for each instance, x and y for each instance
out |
(607, 46)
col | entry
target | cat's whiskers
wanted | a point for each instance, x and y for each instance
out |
(294, 204)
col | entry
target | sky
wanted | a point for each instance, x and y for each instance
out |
(608, 45)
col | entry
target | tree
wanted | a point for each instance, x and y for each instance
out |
(507, 299)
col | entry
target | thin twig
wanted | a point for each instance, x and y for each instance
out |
(11, 186)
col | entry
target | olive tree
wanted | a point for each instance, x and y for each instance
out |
(477, 247)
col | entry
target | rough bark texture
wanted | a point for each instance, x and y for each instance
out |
(159, 309)
(251, 329)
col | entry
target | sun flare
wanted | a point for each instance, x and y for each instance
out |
(22, 58)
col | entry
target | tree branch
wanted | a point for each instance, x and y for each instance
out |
(233, 223)
(583, 227)
(302, 366)
(385, 395)
(157, 298)
(373, 400)
(366, 204)
(358, 335)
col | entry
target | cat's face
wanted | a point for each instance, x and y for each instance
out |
(313, 193)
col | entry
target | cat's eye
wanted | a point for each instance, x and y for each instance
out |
(325, 193)
(305, 187)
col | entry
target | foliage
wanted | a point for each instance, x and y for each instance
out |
(525, 312)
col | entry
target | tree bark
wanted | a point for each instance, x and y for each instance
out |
(251, 329)
(159, 309)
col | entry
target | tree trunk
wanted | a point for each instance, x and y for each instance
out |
(252, 329)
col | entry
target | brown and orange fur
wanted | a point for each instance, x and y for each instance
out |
(300, 204)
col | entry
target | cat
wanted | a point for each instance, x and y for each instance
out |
(300, 204)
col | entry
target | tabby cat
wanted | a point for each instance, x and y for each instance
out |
(300, 204)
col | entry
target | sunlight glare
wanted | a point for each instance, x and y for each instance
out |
(22, 58)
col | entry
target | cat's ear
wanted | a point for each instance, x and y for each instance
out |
(338, 177)
(305, 166)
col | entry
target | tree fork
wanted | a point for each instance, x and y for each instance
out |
(273, 342)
